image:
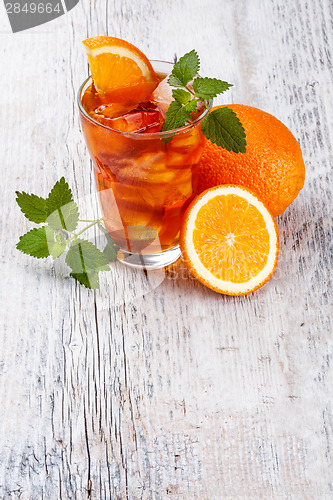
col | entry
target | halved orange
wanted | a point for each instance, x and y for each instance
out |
(119, 68)
(229, 240)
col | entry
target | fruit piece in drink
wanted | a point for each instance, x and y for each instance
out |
(119, 69)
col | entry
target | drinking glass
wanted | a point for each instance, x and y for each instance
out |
(145, 182)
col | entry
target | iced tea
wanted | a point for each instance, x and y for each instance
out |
(145, 181)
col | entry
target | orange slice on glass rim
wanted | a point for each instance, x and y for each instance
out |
(229, 240)
(120, 69)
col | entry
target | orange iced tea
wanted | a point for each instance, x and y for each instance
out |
(145, 182)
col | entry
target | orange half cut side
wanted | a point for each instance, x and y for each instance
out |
(229, 240)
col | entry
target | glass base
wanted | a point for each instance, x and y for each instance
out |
(149, 262)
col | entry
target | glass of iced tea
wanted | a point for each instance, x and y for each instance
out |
(145, 178)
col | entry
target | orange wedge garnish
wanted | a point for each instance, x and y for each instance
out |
(120, 69)
(229, 240)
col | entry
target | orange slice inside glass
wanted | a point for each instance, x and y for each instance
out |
(229, 240)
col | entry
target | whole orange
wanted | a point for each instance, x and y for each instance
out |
(272, 166)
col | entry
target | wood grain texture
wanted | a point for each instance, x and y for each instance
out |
(155, 387)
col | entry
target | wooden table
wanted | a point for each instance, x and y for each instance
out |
(156, 387)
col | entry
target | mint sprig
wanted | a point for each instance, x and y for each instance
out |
(60, 216)
(185, 69)
(178, 114)
(221, 126)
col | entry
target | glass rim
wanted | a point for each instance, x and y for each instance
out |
(148, 135)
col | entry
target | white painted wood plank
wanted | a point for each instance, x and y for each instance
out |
(177, 391)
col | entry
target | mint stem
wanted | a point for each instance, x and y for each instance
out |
(75, 235)
(87, 220)
(190, 91)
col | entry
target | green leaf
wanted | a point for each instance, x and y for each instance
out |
(37, 242)
(84, 257)
(223, 127)
(89, 280)
(60, 195)
(62, 210)
(208, 88)
(185, 69)
(177, 114)
(86, 261)
(181, 96)
(174, 81)
(60, 239)
(111, 250)
(191, 106)
(33, 207)
(65, 217)
(56, 249)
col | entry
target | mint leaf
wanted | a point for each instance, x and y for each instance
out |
(89, 280)
(111, 250)
(181, 96)
(207, 88)
(60, 195)
(65, 217)
(191, 106)
(37, 242)
(223, 127)
(60, 239)
(174, 81)
(33, 207)
(62, 210)
(86, 261)
(56, 249)
(178, 114)
(84, 257)
(185, 69)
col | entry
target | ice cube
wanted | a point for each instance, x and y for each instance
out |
(176, 160)
(151, 161)
(114, 110)
(137, 120)
(162, 96)
(187, 142)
